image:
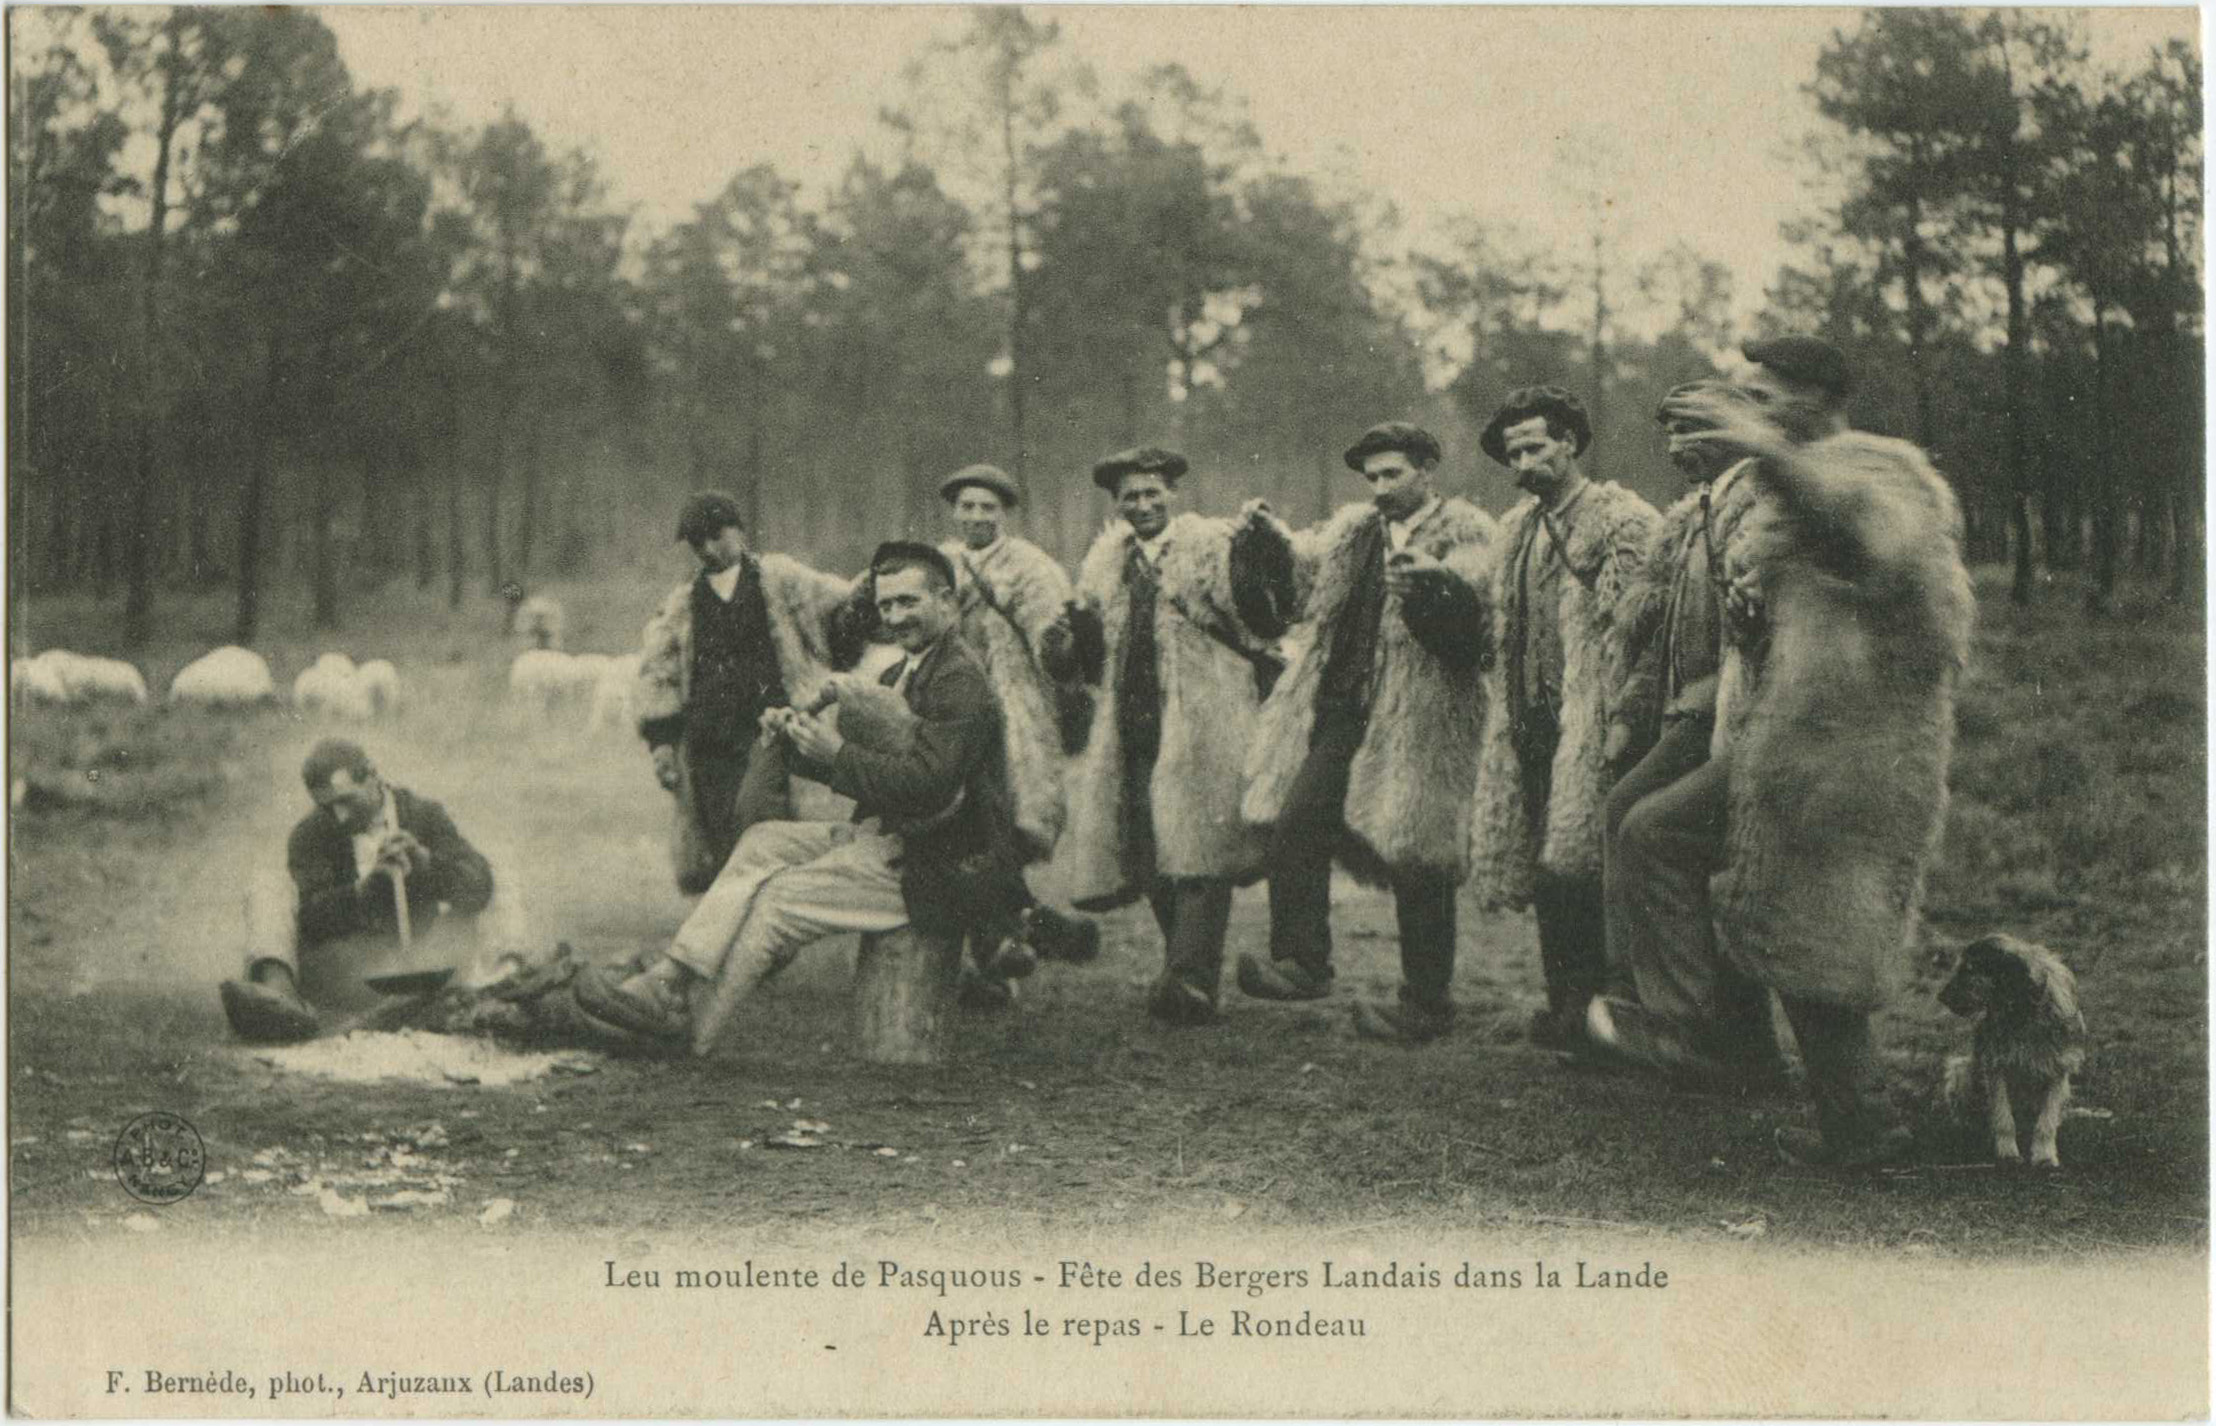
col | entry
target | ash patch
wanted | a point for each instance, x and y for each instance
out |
(422, 1057)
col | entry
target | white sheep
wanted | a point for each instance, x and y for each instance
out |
(38, 680)
(229, 677)
(543, 680)
(541, 621)
(58, 676)
(611, 696)
(329, 688)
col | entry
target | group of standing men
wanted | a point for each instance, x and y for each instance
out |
(1708, 748)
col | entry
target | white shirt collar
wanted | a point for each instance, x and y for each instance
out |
(1155, 547)
(370, 838)
(1397, 532)
(725, 582)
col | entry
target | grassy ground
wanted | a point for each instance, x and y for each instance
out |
(2079, 819)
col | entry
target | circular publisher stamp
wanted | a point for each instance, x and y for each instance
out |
(159, 1158)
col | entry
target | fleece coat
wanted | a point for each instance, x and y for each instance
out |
(1838, 716)
(1010, 598)
(1409, 787)
(1608, 538)
(1208, 717)
(808, 612)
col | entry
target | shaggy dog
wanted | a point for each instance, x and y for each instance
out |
(2029, 1041)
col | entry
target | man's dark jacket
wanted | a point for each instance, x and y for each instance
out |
(959, 867)
(320, 856)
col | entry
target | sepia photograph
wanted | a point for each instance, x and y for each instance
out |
(1100, 711)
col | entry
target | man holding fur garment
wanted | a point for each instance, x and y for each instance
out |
(1569, 550)
(1673, 617)
(1367, 749)
(930, 844)
(1010, 593)
(1154, 798)
(1812, 822)
(734, 641)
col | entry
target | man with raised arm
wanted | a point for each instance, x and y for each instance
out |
(1848, 627)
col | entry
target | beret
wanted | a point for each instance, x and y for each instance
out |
(706, 514)
(1804, 361)
(1414, 442)
(1561, 410)
(984, 477)
(1140, 460)
(901, 552)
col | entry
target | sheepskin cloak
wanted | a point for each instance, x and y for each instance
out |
(1023, 593)
(1840, 724)
(803, 605)
(1208, 717)
(1408, 789)
(1608, 535)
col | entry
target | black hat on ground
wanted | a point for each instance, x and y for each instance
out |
(897, 553)
(1412, 441)
(706, 515)
(1563, 413)
(984, 477)
(1804, 361)
(1140, 460)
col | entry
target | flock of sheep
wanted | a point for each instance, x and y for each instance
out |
(543, 682)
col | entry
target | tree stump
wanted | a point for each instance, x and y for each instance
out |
(904, 996)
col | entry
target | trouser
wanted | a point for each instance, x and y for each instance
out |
(1192, 913)
(1300, 903)
(1845, 1080)
(1572, 928)
(329, 973)
(786, 885)
(716, 775)
(1656, 891)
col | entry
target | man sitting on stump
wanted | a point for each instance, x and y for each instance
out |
(1367, 749)
(930, 844)
(366, 844)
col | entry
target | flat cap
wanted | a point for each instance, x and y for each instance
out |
(984, 477)
(1139, 460)
(1418, 444)
(1804, 361)
(895, 553)
(1563, 413)
(707, 513)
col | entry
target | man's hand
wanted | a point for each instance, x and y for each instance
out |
(665, 767)
(1409, 568)
(1255, 512)
(1744, 606)
(814, 738)
(1619, 743)
(1726, 420)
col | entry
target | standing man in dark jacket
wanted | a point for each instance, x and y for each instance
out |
(931, 829)
(747, 634)
(343, 859)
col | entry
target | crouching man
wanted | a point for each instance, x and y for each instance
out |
(931, 843)
(1805, 834)
(367, 846)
